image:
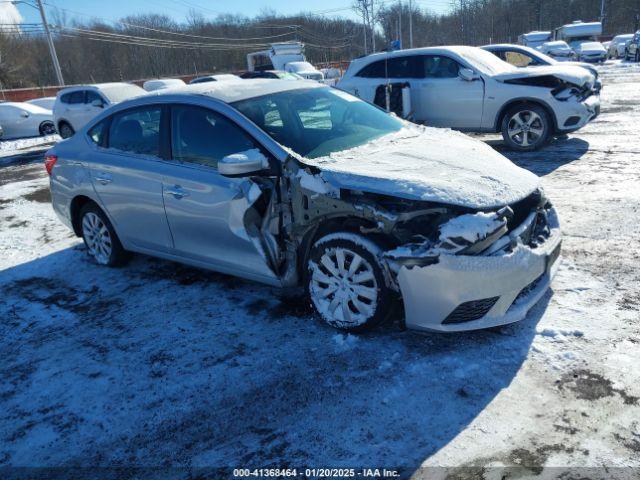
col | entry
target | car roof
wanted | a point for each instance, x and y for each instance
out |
(25, 106)
(95, 86)
(236, 90)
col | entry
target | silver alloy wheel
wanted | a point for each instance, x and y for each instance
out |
(343, 288)
(98, 238)
(525, 128)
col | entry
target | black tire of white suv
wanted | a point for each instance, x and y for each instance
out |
(65, 130)
(526, 127)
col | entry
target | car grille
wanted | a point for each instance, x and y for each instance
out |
(527, 290)
(470, 311)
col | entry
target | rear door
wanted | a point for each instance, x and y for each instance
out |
(74, 109)
(126, 170)
(443, 99)
(205, 210)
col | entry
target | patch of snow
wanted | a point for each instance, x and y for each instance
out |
(429, 164)
(315, 183)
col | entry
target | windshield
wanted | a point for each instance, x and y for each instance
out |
(316, 122)
(485, 61)
(122, 92)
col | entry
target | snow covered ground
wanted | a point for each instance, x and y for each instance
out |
(13, 151)
(158, 364)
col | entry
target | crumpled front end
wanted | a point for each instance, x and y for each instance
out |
(466, 291)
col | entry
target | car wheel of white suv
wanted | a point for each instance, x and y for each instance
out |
(102, 243)
(346, 283)
(65, 130)
(526, 127)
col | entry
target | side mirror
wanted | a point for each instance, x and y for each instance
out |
(243, 164)
(97, 103)
(24, 114)
(468, 75)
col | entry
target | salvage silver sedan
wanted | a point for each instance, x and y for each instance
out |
(296, 184)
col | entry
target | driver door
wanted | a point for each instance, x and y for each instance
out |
(206, 210)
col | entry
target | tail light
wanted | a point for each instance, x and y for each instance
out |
(49, 162)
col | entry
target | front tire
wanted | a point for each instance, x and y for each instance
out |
(65, 130)
(346, 283)
(526, 127)
(101, 240)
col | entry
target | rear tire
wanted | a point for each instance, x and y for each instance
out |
(101, 240)
(65, 130)
(346, 283)
(526, 127)
(47, 128)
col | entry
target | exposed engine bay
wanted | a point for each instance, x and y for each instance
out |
(284, 213)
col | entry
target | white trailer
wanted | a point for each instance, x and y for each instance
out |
(578, 31)
(286, 56)
(534, 39)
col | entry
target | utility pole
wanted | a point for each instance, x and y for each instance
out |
(373, 29)
(400, 24)
(364, 30)
(602, 11)
(52, 47)
(410, 25)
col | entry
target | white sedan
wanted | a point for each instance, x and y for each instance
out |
(21, 120)
(44, 102)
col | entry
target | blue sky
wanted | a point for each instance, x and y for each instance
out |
(178, 9)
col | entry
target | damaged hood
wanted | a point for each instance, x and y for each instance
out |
(568, 73)
(429, 164)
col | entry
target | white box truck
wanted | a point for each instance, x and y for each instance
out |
(582, 37)
(286, 56)
(534, 39)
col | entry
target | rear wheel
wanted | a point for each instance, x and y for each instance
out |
(47, 128)
(526, 127)
(100, 238)
(65, 130)
(346, 283)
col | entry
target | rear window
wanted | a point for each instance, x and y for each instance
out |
(136, 131)
(97, 133)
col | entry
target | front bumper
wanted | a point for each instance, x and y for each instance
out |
(453, 294)
(593, 58)
(572, 114)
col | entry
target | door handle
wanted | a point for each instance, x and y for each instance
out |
(177, 191)
(104, 178)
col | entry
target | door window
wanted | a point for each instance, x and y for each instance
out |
(136, 131)
(374, 70)
(76, 98)
(436, 66)
(408, 66)
(91, 96)
(204, 137)
(405, 67)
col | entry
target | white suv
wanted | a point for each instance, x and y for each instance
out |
(470, 89)
(75, 106)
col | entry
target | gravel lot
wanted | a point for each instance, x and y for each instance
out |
(162, 365)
